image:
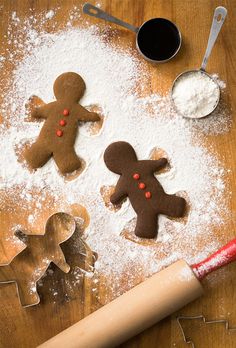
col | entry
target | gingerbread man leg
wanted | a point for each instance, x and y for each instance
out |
(173, 206)
(66, 160)
(147, 225)
(27, 293)
(37, 155)
(60, 261)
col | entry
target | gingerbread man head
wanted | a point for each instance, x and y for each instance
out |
(119, 156)
(69, 86)
(59, 227)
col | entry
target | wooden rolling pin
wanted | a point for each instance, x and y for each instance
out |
(144, 305)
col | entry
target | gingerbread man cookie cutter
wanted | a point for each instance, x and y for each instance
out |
(205, 321)
(30, 264)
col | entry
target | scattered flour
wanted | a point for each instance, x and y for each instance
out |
(112, 76)
(50, 14)
(31, 218)
(186, 274)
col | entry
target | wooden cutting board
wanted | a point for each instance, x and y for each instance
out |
(29, 327)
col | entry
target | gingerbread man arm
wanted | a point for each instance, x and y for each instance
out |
(23, 236)
(156, 165)
(40, 112)
(120, 193)
(85, 115)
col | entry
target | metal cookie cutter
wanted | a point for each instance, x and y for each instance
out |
(30, 264)
(217, 321)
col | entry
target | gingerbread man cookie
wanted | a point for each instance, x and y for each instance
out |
(137, 181)
(57, 137)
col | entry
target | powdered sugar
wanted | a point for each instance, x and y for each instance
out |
(195, 94)
(115, 79)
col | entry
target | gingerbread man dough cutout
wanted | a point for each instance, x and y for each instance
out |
(58, 134)
(137, 181)
(40, 250)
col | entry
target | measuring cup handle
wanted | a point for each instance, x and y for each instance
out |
(218, 20)
(98, 13)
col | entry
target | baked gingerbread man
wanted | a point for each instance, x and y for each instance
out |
(137, 181)
(40, 250)
(58, 134)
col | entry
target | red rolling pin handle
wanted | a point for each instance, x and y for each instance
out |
(220, 258)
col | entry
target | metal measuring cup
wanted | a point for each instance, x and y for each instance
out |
(218, 20)
(157, 35)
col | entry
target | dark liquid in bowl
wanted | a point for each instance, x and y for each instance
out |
(158, 39)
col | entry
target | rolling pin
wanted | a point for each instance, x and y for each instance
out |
(144, 305)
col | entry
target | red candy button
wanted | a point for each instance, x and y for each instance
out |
(66, 112)
(148, 194)
(59, 133)
(136, 176)
(141, 185)
(62, 123)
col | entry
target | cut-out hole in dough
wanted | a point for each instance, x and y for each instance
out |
(106, 192)
(72, 176)
(157, 153)
(128, 233)
(94, 127)
(33, 103)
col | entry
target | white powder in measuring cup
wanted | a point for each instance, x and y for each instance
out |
(195, 94)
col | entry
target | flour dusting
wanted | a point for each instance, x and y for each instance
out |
(115, 79)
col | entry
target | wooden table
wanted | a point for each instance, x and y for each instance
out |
(23, 328)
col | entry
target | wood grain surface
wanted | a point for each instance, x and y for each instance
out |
(26, 328)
